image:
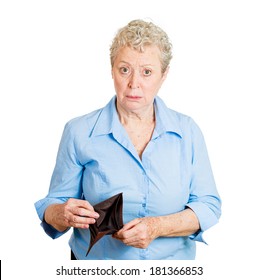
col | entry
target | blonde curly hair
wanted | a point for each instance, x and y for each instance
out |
(138, 34)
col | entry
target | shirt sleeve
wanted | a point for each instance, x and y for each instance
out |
(66, 179)
(204, 199)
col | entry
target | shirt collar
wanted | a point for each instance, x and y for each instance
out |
(106, 120)
(166, 119)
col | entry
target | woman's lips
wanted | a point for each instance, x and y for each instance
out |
(133, 97)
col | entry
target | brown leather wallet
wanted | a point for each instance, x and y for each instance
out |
(110, 218)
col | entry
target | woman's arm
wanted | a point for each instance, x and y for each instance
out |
(141, 232)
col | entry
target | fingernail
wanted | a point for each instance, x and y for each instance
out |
(96, 215)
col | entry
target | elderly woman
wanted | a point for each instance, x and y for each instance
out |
(135, 145)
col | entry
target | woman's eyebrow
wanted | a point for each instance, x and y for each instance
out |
(143, 65)
(123, 61)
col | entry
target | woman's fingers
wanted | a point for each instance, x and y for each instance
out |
(138, 233)
(79, 213)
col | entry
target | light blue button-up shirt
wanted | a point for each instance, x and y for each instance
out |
(97, 160)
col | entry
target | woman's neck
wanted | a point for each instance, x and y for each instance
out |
(146, 116)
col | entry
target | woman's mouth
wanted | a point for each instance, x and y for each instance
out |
(133, 97)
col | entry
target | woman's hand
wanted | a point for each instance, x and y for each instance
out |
(73, 213)
(139, 232)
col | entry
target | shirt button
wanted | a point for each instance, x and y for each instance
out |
(144, 205)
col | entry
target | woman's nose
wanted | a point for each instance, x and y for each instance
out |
(133, 81)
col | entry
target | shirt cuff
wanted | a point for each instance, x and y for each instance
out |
(207, 218)
(51, 231)
(198, 237)
(41, 207)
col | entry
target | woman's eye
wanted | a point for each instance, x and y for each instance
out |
(124, 70)
(147, 72)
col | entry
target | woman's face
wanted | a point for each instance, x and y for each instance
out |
(137, 78)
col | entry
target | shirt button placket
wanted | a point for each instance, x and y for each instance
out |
(143, 211)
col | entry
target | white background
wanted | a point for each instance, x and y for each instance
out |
(54, 65)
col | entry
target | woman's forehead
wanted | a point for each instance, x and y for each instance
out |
(150, 55)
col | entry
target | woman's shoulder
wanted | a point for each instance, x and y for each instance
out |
(172, 114)
(84, 123)
(185, 123)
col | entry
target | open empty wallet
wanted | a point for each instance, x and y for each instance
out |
(110, 218)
